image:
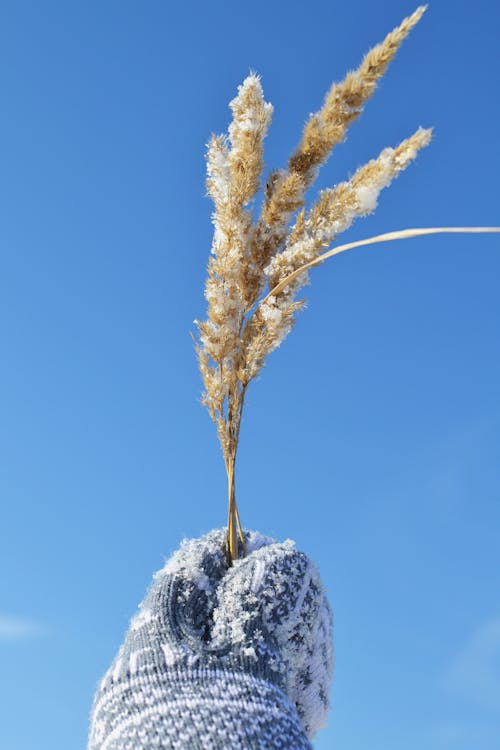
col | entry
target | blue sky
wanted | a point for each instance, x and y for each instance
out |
(372, 436)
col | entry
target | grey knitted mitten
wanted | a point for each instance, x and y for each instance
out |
(222, 658)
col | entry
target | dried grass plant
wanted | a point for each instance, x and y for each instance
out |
(257, 268)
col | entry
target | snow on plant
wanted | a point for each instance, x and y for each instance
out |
(256, 268)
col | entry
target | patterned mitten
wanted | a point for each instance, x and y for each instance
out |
(222, 658)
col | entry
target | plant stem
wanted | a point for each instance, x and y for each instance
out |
(234, 527)
(402, 234)
(232, 539)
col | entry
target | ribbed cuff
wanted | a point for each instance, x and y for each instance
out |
(196, 709)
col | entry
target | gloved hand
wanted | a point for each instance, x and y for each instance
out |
(222, 658)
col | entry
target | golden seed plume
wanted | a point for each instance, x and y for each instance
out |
(338, 207)
(257, 268)
(322, 132)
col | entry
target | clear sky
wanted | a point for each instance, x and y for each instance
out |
(372, 437)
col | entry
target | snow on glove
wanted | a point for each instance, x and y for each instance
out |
(222, 658)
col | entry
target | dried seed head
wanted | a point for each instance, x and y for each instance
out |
(244, 325)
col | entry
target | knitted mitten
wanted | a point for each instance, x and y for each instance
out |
(222, 658)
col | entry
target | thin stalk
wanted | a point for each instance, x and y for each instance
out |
(402, 234)
(232, 538)
(236, 442)
(234, 527)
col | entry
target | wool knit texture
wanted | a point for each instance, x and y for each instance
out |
(222, 658)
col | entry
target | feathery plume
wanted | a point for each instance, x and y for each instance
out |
(256, 269)
(234, 165)
(322, 132)
(337, 208)
(332, 214)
